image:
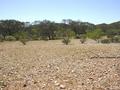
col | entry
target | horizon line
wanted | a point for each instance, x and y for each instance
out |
(32, 21)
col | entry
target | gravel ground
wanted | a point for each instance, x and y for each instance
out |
(50, 65)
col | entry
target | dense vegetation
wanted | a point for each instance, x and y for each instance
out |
(48, 30)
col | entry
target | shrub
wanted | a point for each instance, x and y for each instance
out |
(66, 40)
(83, 38)
(65, 33)
(10, 38)
(77, 36)
(1, 38)
(95, 34)
(44, 38)
(106, 41)
(22, 37)
(34, 37)
(116, 39)
(23, 41)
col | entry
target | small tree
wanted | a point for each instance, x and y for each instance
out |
(67, 34)
(22, 37)
(95, 34)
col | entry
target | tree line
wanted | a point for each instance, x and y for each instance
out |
(50, 30)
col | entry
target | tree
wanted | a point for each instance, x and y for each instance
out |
(10, 27)
(50, 30)
(47, 29)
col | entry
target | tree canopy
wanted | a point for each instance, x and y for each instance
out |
(52, 30)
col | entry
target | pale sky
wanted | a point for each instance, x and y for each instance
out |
(94, 11)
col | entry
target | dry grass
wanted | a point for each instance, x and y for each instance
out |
(50, 65)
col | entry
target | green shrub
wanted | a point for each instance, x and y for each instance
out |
(105, 41)
(10, 38)
(23, 37)
(66, 40)
(1, 38)
(95, 34)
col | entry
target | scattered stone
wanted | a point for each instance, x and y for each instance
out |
(82, 83)
(44, 85)
(57, 83)
(59, 67)
(25, 85)
(62, 86)
(35, 82)
(2, 84)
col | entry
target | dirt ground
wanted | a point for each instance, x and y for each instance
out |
(51, 65)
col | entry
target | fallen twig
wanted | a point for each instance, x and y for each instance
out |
(105, 57)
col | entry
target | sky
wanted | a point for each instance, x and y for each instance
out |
(94, 11)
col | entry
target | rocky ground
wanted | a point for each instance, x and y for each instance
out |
(50, 65)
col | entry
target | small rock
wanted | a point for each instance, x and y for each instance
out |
(25, 85)
(57, 83)
(82, 83)
(73, 71)
(35, 82)
(3, 84)
(43, 86)
(62, 86)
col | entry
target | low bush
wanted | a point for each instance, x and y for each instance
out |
(82, 38)
(77, 36)
(44, 38)
(1, 38)
(23, 41)
(116, 39)
(10, 38)
(66, 40)
(105, 41)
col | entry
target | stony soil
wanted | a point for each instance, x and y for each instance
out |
(50, 65)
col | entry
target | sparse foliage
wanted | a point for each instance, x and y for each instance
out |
(1, 38)
(66, 40)
(83, 38)
(95, 34)
(10, 38)
(23, 37)
(50, 30)
(23, 41)
(105, 41)
(116, 39)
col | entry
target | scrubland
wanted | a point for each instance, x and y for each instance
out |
(51, 65)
